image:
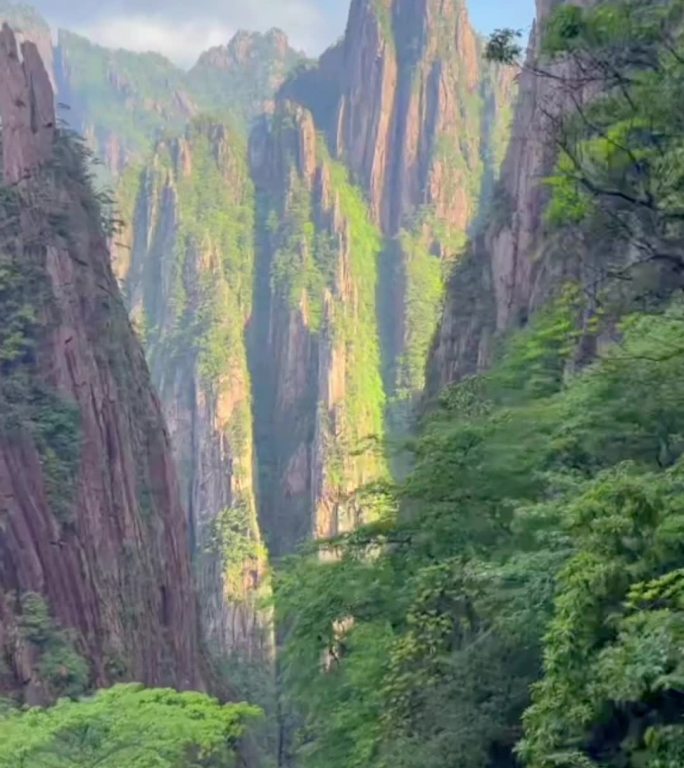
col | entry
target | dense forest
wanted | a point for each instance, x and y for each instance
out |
(430, 500)
(518, 599)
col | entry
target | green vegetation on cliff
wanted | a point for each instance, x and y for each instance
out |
(27, 405)
(124, 97)
(355, 319)
(125, 100)
(199, 193)
(213, 258)
(327, 261)
(244, 75)
(60, 666)
(536, 503)
(521, 599)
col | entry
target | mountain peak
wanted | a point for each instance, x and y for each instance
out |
(247, 47)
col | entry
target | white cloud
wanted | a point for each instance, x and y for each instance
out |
(183, 29)
(180, 41)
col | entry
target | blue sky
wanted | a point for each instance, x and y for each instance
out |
(181, 29)
(488, 15)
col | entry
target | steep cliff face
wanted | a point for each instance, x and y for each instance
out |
(315, 344)
(510, 268)
(95, 578)
(189, 289)
(369, 177)
(420, 120)
(30, 25)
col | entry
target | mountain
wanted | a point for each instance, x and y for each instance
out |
(422, 385)
(409, 106)
(284, 266)
(354, 184)
(119, 100)
(514, 265)
(245, 74)
(29, 25)
(286, 286)
(520, 601)
(315, 342)
(123, 101)
(95, 571)
(189, 286)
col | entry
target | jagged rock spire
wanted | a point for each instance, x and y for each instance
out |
(27, 108)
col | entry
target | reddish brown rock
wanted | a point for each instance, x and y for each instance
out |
(107, 545)
(509, 270)
(409, 105)
(26, 106)
(177, 269)
(307, 343)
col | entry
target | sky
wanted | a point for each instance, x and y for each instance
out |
(181, 29)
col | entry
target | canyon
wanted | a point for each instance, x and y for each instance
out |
(249, 310)
(284, 265)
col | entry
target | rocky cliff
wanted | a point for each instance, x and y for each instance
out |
(315, 343)
(410, 107)
(365, 190)
(95, 577)
(514, 264)
(369, 176)
(188, 284)
(30, 25)
(119, 100)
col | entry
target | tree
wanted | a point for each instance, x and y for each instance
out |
(617, 69)
(503, 46)
(127, 725)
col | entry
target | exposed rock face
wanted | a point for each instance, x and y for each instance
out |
(509, 270)
(90, 520)
(315, 344)
(412, 118)
(420, 120)
(28, 25)
(189, 287)
(28, 110)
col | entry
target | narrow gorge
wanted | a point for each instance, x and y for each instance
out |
(346, 386)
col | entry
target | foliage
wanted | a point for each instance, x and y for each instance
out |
(234, 538)
(619, 170)
(424, 291)
(355, 323)
(253, 679)
(126, 725)
(614, 652)
(503, 46)
(305, 272)
(59, 664)
(213, 263)
(26, 404)
(121, 93)
(135, 98)
(538, 543)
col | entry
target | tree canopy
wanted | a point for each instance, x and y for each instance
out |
(520, 601)
(127, 725)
